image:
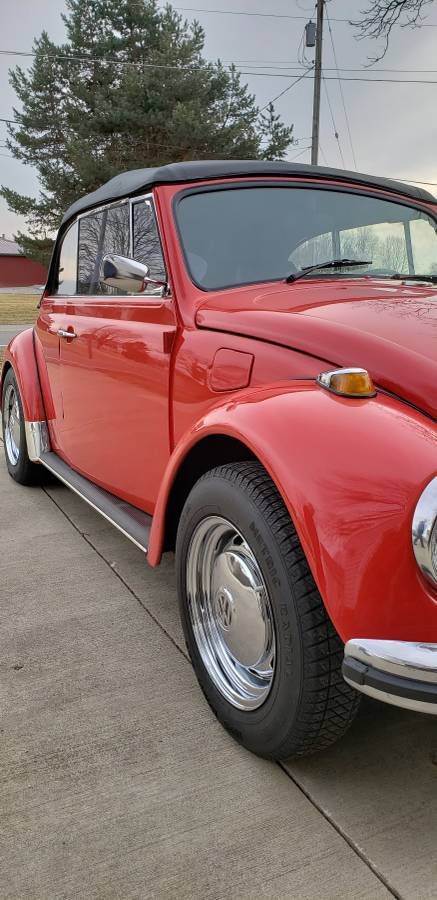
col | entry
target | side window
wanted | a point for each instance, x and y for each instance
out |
(67, 268)
(146, 241)
(100, 233)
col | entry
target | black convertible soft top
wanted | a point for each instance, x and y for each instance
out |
(141, 180)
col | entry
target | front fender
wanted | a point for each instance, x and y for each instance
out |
(350, 473)
(20, 354)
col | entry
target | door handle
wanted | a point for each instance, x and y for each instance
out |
(66, 334)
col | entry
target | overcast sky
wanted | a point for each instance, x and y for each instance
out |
(393, 126)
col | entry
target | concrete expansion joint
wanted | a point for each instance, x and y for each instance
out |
(356, 849)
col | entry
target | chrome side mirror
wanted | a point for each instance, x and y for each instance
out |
(127, 275)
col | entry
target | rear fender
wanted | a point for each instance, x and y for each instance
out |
(350, 473)
(20, 354)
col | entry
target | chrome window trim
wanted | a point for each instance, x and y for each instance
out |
(422, 530)
(97, 209)
(130, 201)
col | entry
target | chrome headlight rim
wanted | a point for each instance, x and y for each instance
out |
(424, 532)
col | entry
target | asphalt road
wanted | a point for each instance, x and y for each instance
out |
(7, 332)
(116, 779)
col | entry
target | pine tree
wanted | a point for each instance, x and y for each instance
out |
(129, 88)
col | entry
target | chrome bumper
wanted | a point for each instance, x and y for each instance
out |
(397, 672)
(37, 439)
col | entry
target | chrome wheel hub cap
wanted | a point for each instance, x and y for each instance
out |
(230, 613)
(12, 427)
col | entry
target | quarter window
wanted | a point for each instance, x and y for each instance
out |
(146, 241)
(67, 268)
(101, 233)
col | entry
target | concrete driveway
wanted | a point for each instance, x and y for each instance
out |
(7, 332)
(116, 779)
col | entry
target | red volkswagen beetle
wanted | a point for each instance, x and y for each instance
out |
(238, 361)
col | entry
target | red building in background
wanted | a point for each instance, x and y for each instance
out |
(16, 270)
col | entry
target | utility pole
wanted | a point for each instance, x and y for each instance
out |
(317, 84)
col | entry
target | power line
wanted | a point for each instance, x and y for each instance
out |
(323, 155)
(99, 59)
(243, 12)
(285, 64)
(301, 152)
(299, 65)
(414, 181)
(341, 90)
(127, 62)
(336, 134)
(342, 78)
(142, 65)
(358, 79)
(232, 12)
(296, 81)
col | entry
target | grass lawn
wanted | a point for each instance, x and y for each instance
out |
(18, 308)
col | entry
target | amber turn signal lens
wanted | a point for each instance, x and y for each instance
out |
(348, 383)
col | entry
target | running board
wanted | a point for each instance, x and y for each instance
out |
(132, 522)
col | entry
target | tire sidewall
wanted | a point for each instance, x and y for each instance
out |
(261, 728)
(19, 470)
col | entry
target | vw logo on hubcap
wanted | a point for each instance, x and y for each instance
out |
(224, 608)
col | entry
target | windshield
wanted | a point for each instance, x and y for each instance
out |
(237, 236)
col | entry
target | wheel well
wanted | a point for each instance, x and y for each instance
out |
(214, 450)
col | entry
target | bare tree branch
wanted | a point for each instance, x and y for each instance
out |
(380, 17)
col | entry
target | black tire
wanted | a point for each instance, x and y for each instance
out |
(309, 706)
(23, 470)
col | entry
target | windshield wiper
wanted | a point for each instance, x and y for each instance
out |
(331, 264)
(432, 279)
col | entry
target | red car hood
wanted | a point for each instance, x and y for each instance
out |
(385, 327)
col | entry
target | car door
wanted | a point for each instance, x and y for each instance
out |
(115, 366)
